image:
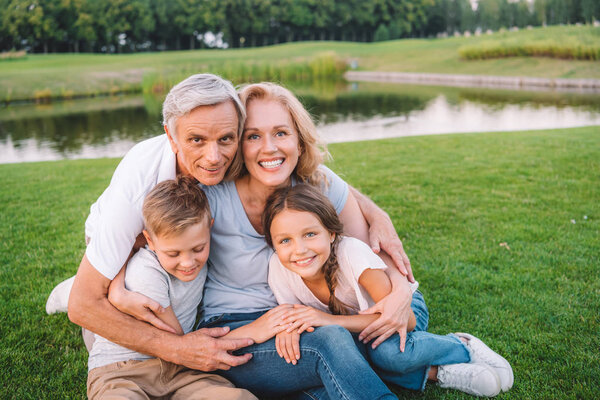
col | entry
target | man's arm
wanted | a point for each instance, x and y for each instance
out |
(382, 234)
(203, 350)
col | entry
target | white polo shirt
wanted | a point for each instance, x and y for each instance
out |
(116, 219)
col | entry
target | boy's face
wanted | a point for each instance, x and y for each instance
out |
(183, 255)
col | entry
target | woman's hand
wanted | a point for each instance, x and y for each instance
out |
(267, 325)
(302, 318)
(135, 304)
(395, 315)
(288, 346)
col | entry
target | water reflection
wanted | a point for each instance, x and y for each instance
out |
(108, 127)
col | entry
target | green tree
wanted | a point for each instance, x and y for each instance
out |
(381, 34)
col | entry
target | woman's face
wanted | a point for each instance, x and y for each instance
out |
(270, 143)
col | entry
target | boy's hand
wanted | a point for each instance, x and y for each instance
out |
(288, 346)
(269, 324)
(303, 317)
(135, 304)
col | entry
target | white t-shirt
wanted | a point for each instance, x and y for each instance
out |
(354, 257)
(146, 276)
(116, 218)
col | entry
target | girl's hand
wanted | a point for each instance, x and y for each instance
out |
(288, 346)
(395, 314)
(135, 304)
(303, 317)
(269, 324)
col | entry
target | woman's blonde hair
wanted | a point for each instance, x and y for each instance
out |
(312, 150)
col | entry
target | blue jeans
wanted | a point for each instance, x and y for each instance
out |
(330, 366)
(409, 369)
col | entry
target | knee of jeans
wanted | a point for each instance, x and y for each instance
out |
(329, 336)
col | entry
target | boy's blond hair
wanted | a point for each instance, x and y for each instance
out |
(175, 205)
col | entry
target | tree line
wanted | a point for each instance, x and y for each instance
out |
(116, 26)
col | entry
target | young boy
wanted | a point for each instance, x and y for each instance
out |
(170, 270)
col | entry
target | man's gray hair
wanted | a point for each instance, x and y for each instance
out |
(199, 90)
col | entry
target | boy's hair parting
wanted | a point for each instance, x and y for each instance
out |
(172, 206)
(308, 198)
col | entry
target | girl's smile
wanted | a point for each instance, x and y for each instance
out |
(302, 243)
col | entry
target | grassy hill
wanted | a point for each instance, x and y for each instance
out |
(72, 75)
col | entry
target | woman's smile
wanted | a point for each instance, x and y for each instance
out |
(270, 143)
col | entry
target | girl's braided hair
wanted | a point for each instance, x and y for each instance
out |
(308, 198)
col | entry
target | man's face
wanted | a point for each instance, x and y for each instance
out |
(206, 142)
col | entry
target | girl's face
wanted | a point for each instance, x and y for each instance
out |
(270, 143)
(302, 243)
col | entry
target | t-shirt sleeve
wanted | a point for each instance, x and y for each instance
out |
(336, 189)
(118, 224)
(280, 282)
(359, 256)
(145, 275)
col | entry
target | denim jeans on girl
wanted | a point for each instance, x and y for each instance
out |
(330, 366)
(409, 369)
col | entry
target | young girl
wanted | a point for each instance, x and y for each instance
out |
(330, 278)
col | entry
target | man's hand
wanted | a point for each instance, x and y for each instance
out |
(383, 236)
(395, 315)
(204, 350)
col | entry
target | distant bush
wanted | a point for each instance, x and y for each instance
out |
(12, 55)
(323, 66)
(553, 48)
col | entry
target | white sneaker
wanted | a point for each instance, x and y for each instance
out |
(482, 354)
(59, 297)
(475, 379)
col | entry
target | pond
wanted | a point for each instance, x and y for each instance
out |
(108, 127)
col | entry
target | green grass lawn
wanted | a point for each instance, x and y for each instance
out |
(71, 74)
(454, 200)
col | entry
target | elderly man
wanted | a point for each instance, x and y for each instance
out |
(203, 118)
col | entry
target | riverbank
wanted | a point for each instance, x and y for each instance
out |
(502, 230)
(486, 81)
(60, 76)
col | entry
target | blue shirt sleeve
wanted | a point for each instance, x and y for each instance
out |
(336, 189)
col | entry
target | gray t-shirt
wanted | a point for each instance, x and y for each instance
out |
(145, 275)
(239, 256)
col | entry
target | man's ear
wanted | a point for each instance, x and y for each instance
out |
(148, 239)
(212, 221)
(171, 141)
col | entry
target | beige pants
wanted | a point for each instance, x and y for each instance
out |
(155, 378)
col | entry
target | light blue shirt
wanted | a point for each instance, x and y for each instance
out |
(238, 264)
